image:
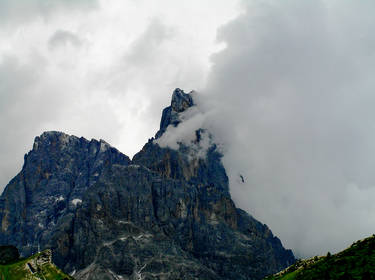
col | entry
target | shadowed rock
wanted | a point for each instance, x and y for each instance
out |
(163, 215)
(180, 102)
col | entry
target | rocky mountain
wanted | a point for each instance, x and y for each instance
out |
(36, 267)
(165, 214)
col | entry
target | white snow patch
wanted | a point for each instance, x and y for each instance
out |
(139, 272)
(124, 237)
(124, 222)
(142, 236)
(103, 146)
(60, 198)
(64, 138)
(76, 201)
(213, 220)
(116, 276)
(73, 272)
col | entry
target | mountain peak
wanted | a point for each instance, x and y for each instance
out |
(62, 140)
(181, 101)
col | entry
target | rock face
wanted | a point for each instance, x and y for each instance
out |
(180, 102)
(163, 215)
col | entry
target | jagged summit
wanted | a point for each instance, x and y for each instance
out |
(61, 138)
(180, 102)
(52, 137)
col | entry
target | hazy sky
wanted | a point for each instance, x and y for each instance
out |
(98, 69)
(285, 86)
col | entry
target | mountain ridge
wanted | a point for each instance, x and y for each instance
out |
(161, 215)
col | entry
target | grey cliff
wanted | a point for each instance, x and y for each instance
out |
(161, 215)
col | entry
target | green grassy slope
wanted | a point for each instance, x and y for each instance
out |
(32, 268)
(356, 262)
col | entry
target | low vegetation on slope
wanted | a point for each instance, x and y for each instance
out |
(356, 262)
(36, 267)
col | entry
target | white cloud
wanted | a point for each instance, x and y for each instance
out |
(21, 11)
(191, 120)
(63, 38)
(98, 69)
(293, 98)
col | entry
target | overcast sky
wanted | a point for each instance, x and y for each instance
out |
(98, 69)
(285, 86)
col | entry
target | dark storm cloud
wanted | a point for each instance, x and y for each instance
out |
(294, 93)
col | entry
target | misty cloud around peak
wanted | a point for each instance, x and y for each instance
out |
(183, 123)
(96, 68)
(292, 100)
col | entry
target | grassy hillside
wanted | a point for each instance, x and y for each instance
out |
(35, 267)
(356, 262)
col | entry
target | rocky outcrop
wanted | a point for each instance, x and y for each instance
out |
(40, 203)
(39, 260)
(36, 267)
(163, 215)
(170, 116)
